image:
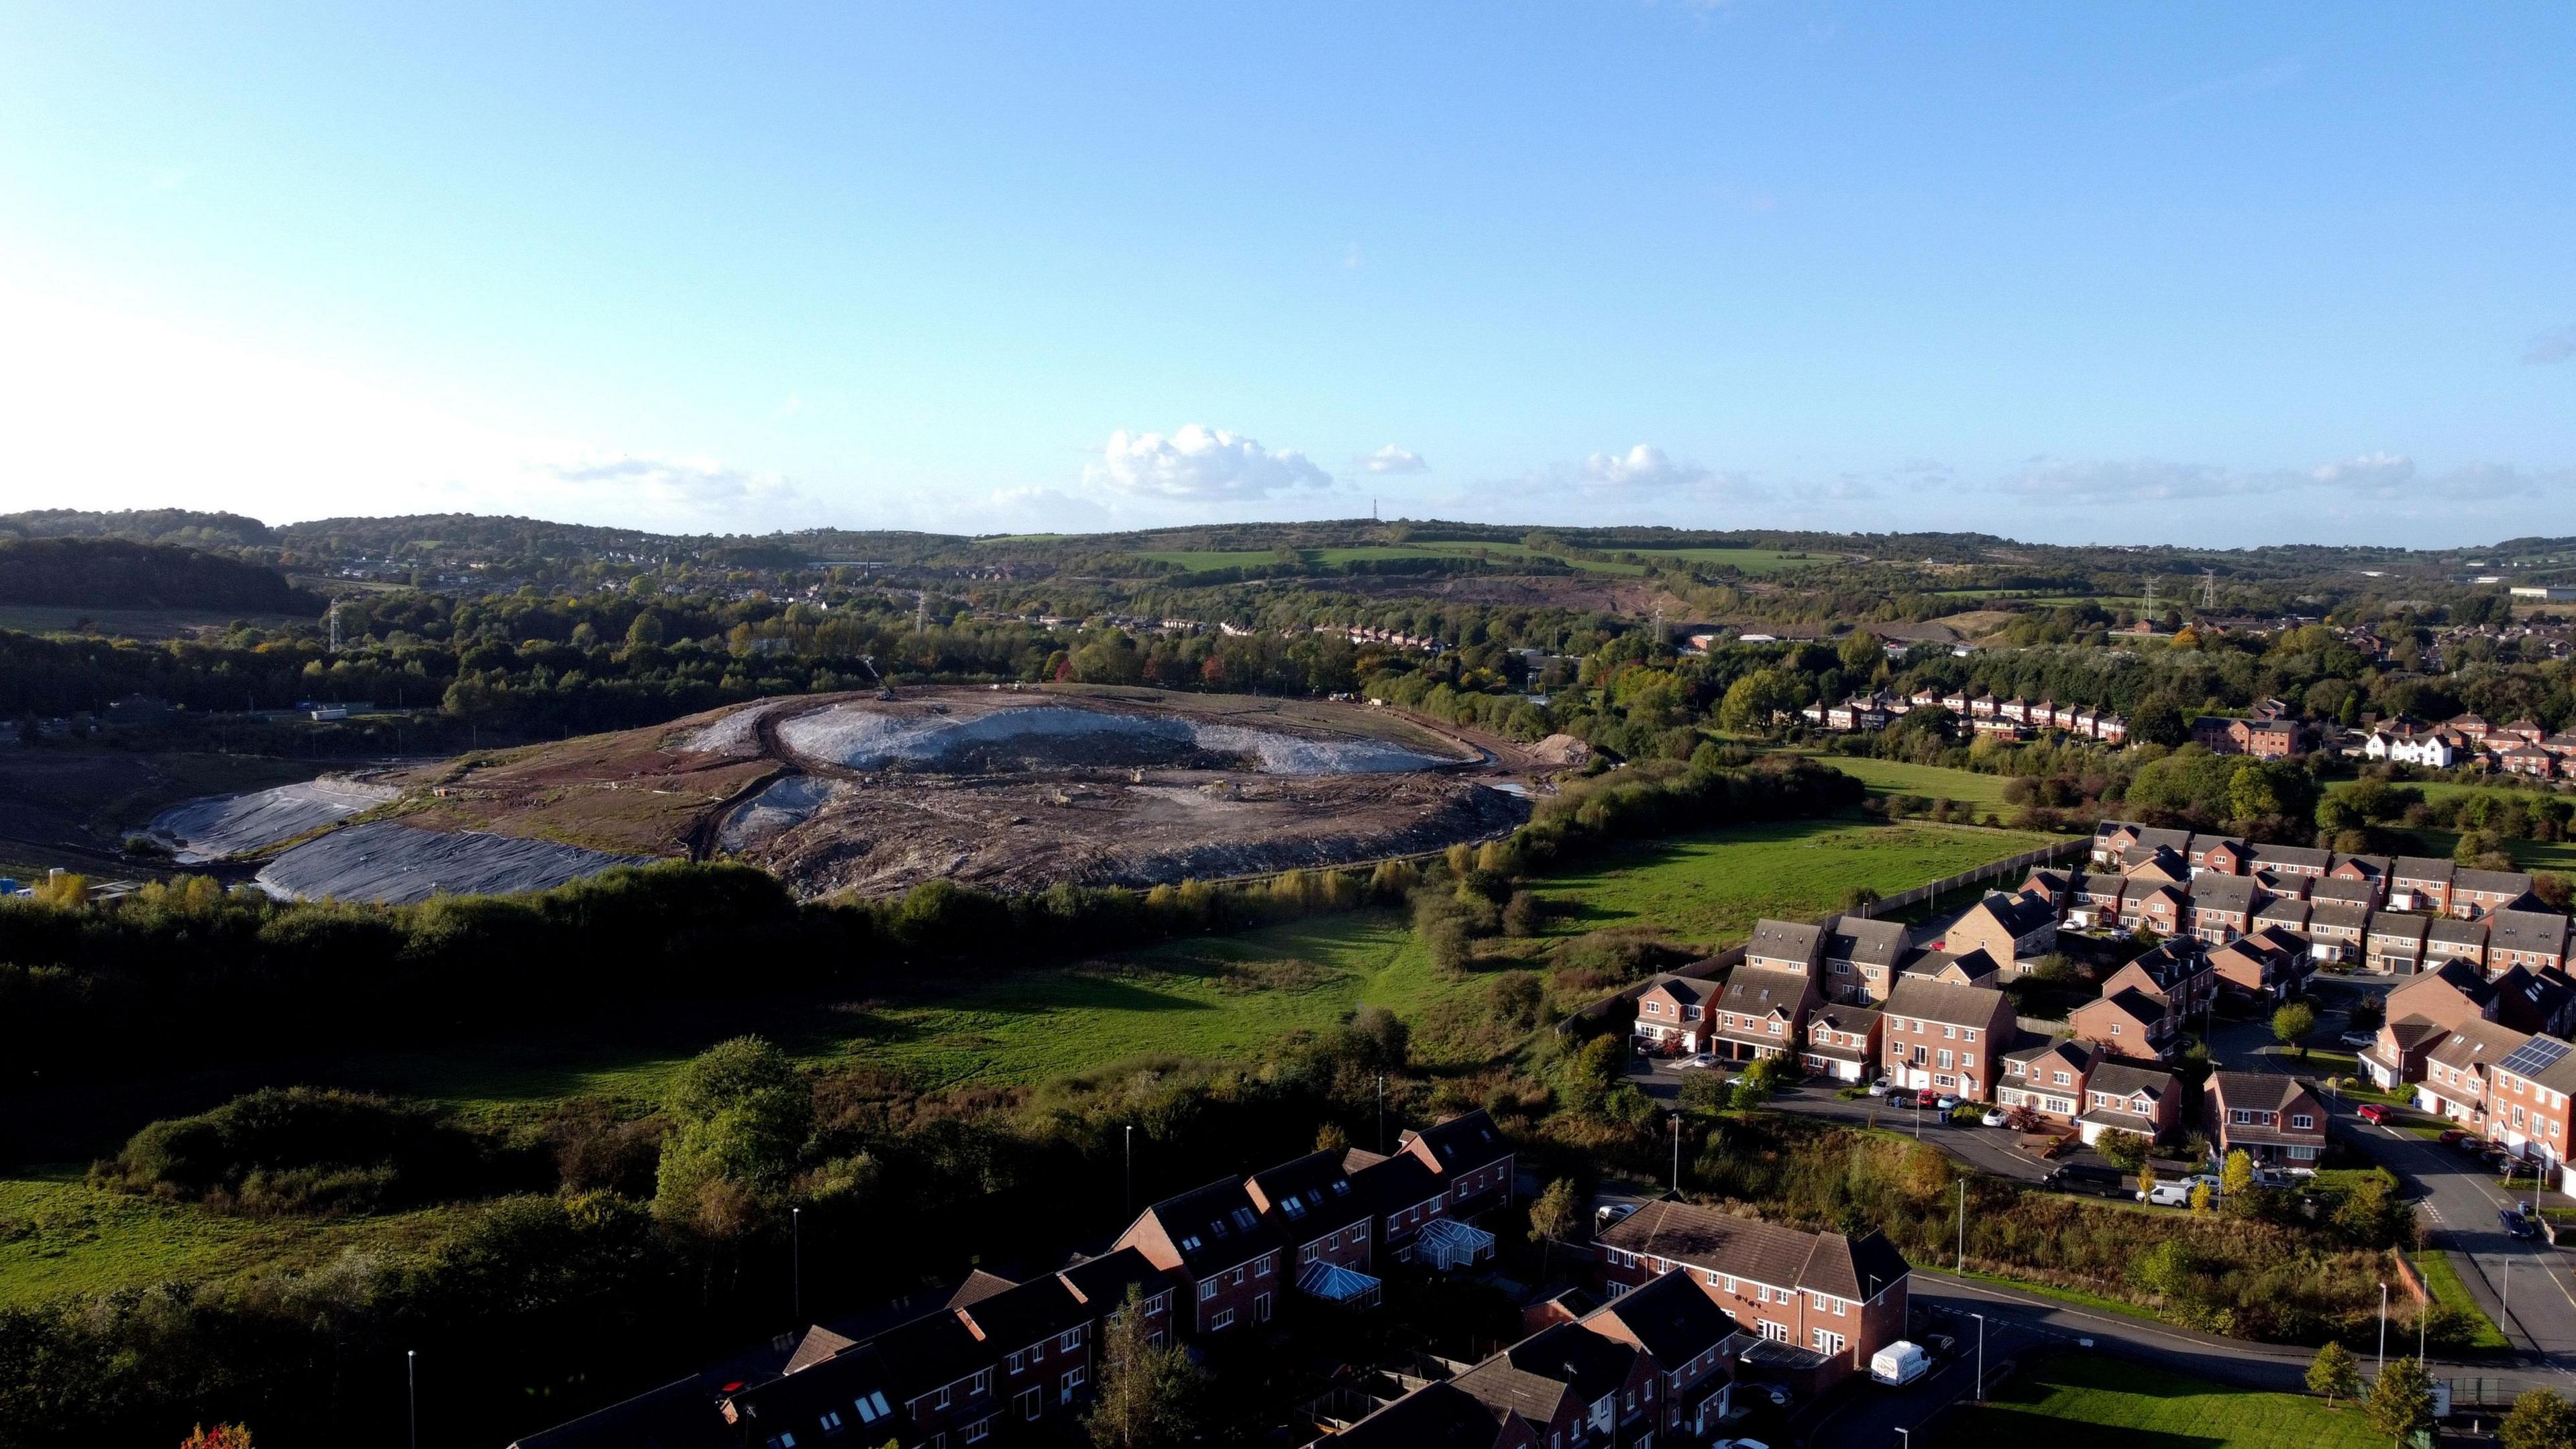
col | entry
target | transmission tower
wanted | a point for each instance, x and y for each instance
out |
(2151, 596)
(2209, 589)
(332, 617)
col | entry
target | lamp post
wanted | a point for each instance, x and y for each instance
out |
(1981, 1356)
(1962, 1266)
(411, 1391)
(1677, 1154)
(2383, 1328)
(796, 1264)
(1131, 1169)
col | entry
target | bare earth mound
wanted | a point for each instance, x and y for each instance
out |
(1010, 790)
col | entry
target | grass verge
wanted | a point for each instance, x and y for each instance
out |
(2442, 1280)
(2123, 1405)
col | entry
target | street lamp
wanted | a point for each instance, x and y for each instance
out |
(2383, 1328)
(796, 1264)
(1677, 1154)
(1981, 1356)
(411, 1391)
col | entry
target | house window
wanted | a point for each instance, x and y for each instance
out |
(1030, 1403)
(1207, 1289)
(1223, 1319)
(782, 1441)
(872, 1408)
(1065, 1386)
(982, 1383)
(1071, 1340)
(1828, 1344)
(1019, 1361)
(939, 1400)
(831, 1421)
(1776, 1332)
(2303, 1121)
(976, 1432)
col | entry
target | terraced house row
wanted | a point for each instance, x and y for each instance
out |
(1982, 713)
(1001, 1361)
(1694, 1307)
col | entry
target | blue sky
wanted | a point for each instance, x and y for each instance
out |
(2223, 274)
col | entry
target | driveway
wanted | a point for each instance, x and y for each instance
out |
(2458, 1196)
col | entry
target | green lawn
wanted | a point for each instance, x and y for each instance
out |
(1932, 782)
(1709, 888)
(2129, 1406)
(2442, 1280)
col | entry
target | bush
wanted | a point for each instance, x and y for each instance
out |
(306, 1150)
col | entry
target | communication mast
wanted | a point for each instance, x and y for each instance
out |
(2209, 589)
(332, 617)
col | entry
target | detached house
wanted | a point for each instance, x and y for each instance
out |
(1693, 1342)
(1943, 1038)
(2273, 1118)
(2015, 930)
(1469, 1156)
(2048, 1079)
(1842, 1043)
(2126, 1097)
(2395, 942)
(1762, 1012)
(1826, 1301)
(2180, 974)
(2269, 965)
(1673, 1015)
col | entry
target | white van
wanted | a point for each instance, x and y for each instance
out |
(1899, 1364)
(2176, 1191)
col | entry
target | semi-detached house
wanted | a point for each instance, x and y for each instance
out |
(1944, 1038)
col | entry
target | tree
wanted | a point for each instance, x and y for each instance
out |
(1751, 701)
(1150, 1397)
(2334, 1375)
(2539, 1420)
(237, 1436)
(1553, 1216)
(2292, 1023)
(2146, 1177)
(2237, 1177)
(2200, 1197)
(2401, 1403)
(1706, 1092)
(740, 1115)
(2124, 1149)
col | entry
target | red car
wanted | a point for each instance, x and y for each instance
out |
(2373, 1112)
(2452, 1137)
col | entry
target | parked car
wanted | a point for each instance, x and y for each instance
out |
(2176, 1191)
(2468, 1146)
(1947, 1101)
(2360, 1041)
(1940, 1345)
(2451, 1137)
(2372, 1112)
(1696, 1061)
(1878, 1086)
(1995, 1117)
(2516, 1223)
(1611, 1212)
(1899, 1097)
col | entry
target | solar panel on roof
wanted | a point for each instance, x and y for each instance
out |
(2534, 1056)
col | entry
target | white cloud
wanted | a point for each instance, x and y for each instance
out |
(1391, 459)
(1643, 468)
(2380, 473)
(2551, 347)
(1200, 464)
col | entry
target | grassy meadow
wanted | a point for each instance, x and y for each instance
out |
(1932, 782)
(1220, 997)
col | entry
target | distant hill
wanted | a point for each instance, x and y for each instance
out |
(112, 573)
(149, 525)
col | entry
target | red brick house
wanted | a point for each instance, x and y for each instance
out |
(2221, 907)
(2015, 930)
(2158, 908)
(2455, 1080)
(1574, 1386)
(2272, 1117)
(1673, 1015)
(1442, 1416)
(2533, 940)
(1834, 1299)
(1762, 1012)
(2477, 894)
(2180, 973)
(1862, 957)
(1320, 1213)
(2527, 1100)
(1469, 1156)
(2127, 1023)
(1692, 1341)
(2048, 1079)
(2420, 883)
(2269, 965)
(1943, 1038)
(2126, 1097)
(1842, 1043)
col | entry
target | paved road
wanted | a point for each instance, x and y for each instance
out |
(1989, 1150)
(2461, 1199)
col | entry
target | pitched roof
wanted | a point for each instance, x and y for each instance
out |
(2376, 866)
(1018, 1317)
(1689, 990)
(1764, 1252)
(2126, 1079)
(2077, 1055)
(2342, 892)
(2305, 857)
(1585, 1362)
(678, 1415)
(1977, 966)
(1215, 1227)
(820, 1343)
(2016, 915)
(1865, 942)
(2492, 882)
(1463, 1143)
(1671, 1318)
(2256, 1091)
(2338, 916)
(2541, 931)
(2476, 1043)
(2545, 1061)
(1945, 1002)
(2422, 868)
(1309, 1197)
(979, 1284)
(2453, 932)
(1435, 1416)
(2231, 893)
(1398, 1182)
(1833, 1016)
(1102, 1281)
(1785, 940)
(1757, 992)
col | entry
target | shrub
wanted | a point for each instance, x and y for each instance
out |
(307, 1150)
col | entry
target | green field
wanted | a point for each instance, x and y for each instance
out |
(2129, 1406)
(1226, 998)
(1753, 561)
(1932, 782)
(1203, 559)
(1709, 888)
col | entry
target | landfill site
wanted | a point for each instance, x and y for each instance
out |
(872, 794)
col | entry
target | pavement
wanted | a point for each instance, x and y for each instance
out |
(2457, 1194)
